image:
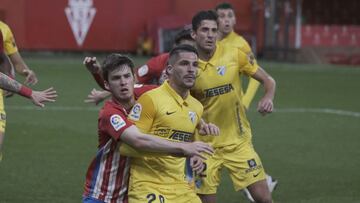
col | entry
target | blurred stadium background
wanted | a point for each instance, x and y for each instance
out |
(312, 48)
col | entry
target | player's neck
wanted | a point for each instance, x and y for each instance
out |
(205, 55)
(126, 104)
(183, 92)
(222, 35)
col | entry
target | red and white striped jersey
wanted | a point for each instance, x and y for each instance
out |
(108, 174)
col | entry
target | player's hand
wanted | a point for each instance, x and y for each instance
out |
(197, 148)
(208, 128)
(91, 64)
(96, 96)
(8, 94)
(40, 97)
(31, 78)
(265, 106)
(197, 164)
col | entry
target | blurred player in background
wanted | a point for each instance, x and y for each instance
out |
(11, 50)
(227, 36)
(169, 112)
(217, 87)
(153, 72)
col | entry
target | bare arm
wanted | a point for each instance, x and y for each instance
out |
(133, 137)
(265, 104)
(97, 96)
(37, 97)
(21, 67)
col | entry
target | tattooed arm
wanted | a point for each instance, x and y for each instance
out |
(37, 97)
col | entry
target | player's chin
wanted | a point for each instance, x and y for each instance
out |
(189, 82)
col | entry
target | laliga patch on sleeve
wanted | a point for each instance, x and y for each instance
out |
(251, 58)
(135, 112)
(117, 122)
(143, 70)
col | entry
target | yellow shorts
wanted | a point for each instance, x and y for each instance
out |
(152, 193)
(2, 113)
(242, 162)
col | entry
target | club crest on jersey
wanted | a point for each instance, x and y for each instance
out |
(221, 70)
(143, 70)
(192, 116)
(117, 122)
(135, 112)
(252, 163)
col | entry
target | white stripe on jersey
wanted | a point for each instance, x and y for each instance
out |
(125, 179)
(100, 175)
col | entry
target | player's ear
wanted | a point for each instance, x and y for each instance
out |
(169, 69)
(106, 85)
(193, 34)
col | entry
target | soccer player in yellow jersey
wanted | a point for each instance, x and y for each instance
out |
(217, 87)
(169, 112)
(18, 63)
(227, 36)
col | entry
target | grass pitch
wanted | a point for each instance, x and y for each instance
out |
(310, 144)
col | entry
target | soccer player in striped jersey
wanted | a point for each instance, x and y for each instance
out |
(108, 173)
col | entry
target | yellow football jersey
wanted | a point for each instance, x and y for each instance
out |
(238, 41)
(162, 112)
(218, 88)
(9, 40)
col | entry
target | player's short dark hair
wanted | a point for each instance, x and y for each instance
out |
(224, 5)
(179, 49)
(203, 15)
(184, 34)
(114, 61)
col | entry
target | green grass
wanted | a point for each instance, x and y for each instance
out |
(313, 154)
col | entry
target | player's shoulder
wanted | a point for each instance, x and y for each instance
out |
(110, 108)
(4, 27)
(158, 60)
(140, 89)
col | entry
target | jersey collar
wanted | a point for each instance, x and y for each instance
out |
(175, 95)
(212, 62)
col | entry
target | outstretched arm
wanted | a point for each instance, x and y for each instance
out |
(97, 96)
(133, 137)
(37, 97)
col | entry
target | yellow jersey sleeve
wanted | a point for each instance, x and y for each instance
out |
(9, 40)
(247, 63)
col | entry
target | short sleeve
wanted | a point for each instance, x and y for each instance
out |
(114, 124)
(9, 42)
(143, 113)
(247, 63)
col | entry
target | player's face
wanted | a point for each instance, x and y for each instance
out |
(183, 72)
(226, 20)
(121, 83)
(205, 35)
